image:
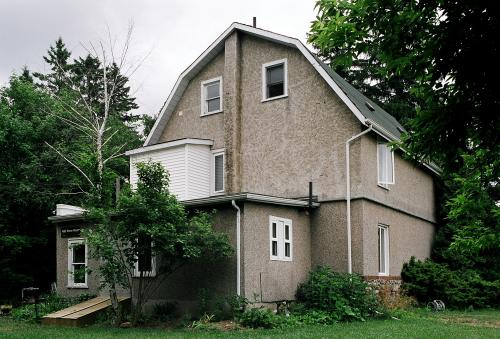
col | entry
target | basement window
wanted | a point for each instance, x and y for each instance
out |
(280, 235)
(274, 80)
(77, 263)
(385, 165)
(383, 250)
(211, 96)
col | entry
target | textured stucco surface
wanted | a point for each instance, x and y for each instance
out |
(408, 236)
(62, 267)
(186, 121)
(413, 190)
(279, 278)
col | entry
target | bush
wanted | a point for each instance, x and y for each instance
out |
(343, 296)
(259, 318)
(49, 304)
(427, 281)
(231, 307)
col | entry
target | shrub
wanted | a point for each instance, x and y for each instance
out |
(343, 296)
(49, 304)
(165, 311)
(259, 318)
(231, 307)
(427, 280)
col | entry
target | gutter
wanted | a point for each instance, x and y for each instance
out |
(238, 248)
(348, 194)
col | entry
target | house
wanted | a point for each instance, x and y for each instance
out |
(295, 161)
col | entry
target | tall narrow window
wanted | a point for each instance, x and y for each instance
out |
(218, 172)
(211, 96)
(77, 263)
(280, 232)
(274, 80)
(385, 164)
(383, 250)
(146, 262)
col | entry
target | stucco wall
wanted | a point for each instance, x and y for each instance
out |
(262, 277)
(408, 236)
(62, 268)
(413, 190)
(186, 122)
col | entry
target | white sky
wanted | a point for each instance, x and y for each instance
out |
(174, 32)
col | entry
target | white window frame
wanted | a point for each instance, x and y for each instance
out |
(280, 238)
(215, 153)
(71, 280)
(204, 105)
(385, 249)
(147, 274)
(391, 152)
(285, 79)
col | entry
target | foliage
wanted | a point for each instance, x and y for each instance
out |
(165, 311)
(424, 54)
(150, 222)
(427, 281)
(344, 296)
(259, 318)
(49, 304)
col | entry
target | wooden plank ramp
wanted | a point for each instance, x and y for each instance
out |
(83, 313)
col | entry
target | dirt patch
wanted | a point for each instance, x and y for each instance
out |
(470, 321)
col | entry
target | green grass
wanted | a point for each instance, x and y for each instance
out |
(418, 324)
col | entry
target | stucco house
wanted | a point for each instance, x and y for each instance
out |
(295, 161)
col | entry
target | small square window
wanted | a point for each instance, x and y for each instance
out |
(211, 96)
(274, 80)
(280, 233)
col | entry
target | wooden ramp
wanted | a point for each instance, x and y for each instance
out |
(83, 313)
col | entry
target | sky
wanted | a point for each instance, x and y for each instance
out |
(167, 36)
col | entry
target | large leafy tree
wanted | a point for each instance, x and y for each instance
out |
(440, 58)
(150, 222)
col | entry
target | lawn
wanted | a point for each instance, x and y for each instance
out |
(418, 324)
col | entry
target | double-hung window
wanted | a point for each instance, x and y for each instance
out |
(217, 171)
(281, 241)
(385, 164)
(274, 80)
(77, 263)
(383, 250)
(211, 96)
(146, 262)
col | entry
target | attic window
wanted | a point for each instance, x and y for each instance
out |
(274, 80)
(211, 96)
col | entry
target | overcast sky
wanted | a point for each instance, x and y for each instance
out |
(172, 32)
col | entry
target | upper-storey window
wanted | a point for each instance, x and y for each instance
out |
(218, 171)
(211, 96)
(274, 80)
(385, 164)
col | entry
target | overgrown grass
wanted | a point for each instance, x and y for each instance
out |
(416, 324)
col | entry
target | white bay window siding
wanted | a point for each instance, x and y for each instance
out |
(188, 166)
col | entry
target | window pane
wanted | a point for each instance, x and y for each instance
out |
(274, 230)
(219, 173)
(381, 250)
(213, 90)
(275, 248)
(79, 274)
(287, 232)
(213, 105)
(79, 253)
(287, 250)
(275, 90)
(275, 74)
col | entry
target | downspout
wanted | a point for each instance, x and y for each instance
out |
(348, 196)
(238, 250)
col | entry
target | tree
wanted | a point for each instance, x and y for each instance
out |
(57, 58)
(150, 223)
(434, 47)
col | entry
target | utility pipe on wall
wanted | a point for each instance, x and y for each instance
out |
(238, 251)
(348, 196)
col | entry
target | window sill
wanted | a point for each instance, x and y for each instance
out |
(279, 259)
(211, 113)
(275, 98)
(78, 287)
(383, 274)
(384, 187)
